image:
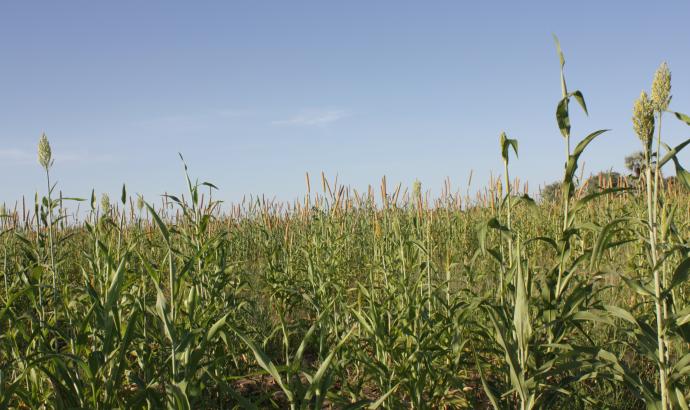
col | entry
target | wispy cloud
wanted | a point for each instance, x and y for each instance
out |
(82, 157)
(314, 118)
(20, 156)
(17, 155)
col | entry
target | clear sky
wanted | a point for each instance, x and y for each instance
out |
(255, 93)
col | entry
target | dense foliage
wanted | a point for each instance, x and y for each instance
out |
(359, 300)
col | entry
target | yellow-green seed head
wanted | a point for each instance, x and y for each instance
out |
(140, 203)
(105, 203)
(417, 188)
(643, 118)
(44, 152)
(661, 88)
(3, 210)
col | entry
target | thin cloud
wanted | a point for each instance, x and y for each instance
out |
(82, 157)
(314, 118)
(19, 156)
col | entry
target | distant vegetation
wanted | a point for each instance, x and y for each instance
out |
(382, 299)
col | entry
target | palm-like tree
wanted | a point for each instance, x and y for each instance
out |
(635, 163)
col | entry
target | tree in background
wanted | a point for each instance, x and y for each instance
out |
(551, 192)
(635, 163)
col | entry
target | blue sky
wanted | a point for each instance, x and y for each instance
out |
(256, 93)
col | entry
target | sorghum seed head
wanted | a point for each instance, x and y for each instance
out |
(105, 203)
(417, 188)
(643, 118)
(661, 88)
(44, 152)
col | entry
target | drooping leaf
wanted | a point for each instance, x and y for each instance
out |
(580, 99)
(672, 152)
(506, 144)
(487, 389)
(682, 117)
(265, 362)
(159, 222)
(681, 273)
(571, 165)
(562, 116)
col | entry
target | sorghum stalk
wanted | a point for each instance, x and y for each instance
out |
(45, 159)
(661, 96)
(643, 124)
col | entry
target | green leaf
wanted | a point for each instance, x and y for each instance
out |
(559, 51)
(159, 222)
(178, 396)
(681, 174)
(580, 99)
(589, 197)
(590, 316)
(506, 144)
(9, 302)
(379, 402)
(216, 326)
(672, 152)
(115, 381)
(602, 242)
(315, 387)
(521, 320)
(681, 273)
(562, 116)
(583, 144)
(682, 117)
(549, 241)
(487, 389)
(621, 314)
(124, 195)
(681, 399)
(638, 287)
(571, 165)
(164, 314)
(683, 316)
(520, 199)
(115, 285)
(308, 335)
(509, 349)
(265, 362)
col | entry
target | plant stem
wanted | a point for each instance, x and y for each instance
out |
(657, 286)
(566, 198)
(171, 278)
(50, 243)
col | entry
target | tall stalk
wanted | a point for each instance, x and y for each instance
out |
(508, 202)
(506, 144)
(50, 239)
(4, 271)
(643, 123)
(661, 97)
(566, 198)
(171, 278)
(45, 159)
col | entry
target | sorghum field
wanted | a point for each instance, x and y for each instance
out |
(344, 299)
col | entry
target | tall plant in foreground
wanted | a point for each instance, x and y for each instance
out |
(664, 248)
(538, 325)
(46, 161)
